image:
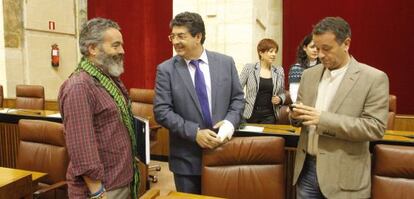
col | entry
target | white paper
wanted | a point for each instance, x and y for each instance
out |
(293, 90)
(4, 110)
(226, 130)
(56, 115)
(252, 129)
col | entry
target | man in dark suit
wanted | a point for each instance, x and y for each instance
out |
(196, 91)
(342, 105)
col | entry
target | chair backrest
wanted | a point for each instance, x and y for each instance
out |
(245, 167)
(283, 111)
(142, 103)
(393, 173)
(30, 97)
(392, 111)
(1, 96)
(42, 148)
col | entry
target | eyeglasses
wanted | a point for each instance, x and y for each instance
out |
(179, 36)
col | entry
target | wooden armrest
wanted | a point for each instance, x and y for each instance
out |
(51, 187)
(155, 127)
(151, 194)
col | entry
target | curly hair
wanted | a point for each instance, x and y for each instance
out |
(301, 56)
(192, 21)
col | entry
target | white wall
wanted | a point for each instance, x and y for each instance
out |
(234, 27)
(39, 38)
(28, 55)
(3, 79)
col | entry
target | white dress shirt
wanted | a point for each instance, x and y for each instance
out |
(227, 129)
(327, 89)
(203, 64)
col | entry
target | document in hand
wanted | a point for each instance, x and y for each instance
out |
(142, 137)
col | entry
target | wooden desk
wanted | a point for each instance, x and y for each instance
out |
(9, 115)
(177, 195)
(291, 135)
(16, 183)
(155, 194)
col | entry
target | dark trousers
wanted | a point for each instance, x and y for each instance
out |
(188, 183)
(307, 186)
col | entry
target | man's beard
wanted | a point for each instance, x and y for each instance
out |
(113, 64)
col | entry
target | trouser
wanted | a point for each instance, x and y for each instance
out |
(308, 186)
(120, 193)
(188, 183)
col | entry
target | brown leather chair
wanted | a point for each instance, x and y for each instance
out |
(245, 167)
(1, 96)
(142, 105)
(393, 173)
(42, 148)
(283, 111)
(30, 97)
(392, 112)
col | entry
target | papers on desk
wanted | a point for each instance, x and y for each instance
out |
(252, 129)
(4, 110)
(56, 115)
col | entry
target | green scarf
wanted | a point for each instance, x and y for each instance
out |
(124, 108)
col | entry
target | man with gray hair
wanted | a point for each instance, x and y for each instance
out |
(97, 118)
(342, 105)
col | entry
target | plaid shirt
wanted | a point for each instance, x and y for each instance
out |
(98, 142)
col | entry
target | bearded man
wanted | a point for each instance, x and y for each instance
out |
(97, 118)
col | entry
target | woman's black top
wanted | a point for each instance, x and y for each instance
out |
(264, 95)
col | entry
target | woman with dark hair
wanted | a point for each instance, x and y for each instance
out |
(306, 57)
(264, 84)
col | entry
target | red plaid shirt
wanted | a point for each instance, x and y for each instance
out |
(98, 142)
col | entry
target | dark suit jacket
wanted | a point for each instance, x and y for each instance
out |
(176, 106)
(357, 114)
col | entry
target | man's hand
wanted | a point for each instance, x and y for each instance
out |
(276, 100)
(207, 139)
(309, 115)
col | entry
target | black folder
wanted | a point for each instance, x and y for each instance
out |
(142, 137)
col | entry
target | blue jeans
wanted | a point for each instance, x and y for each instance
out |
(307, 186)
(188, 183)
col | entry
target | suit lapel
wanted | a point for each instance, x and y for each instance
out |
(275, 81)
(346, 85)
(314, 85)
(257, 75)
(214, 67)
(182, 70)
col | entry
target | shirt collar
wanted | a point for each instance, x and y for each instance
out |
(340, 71)
(203, 58)
(337, 72)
